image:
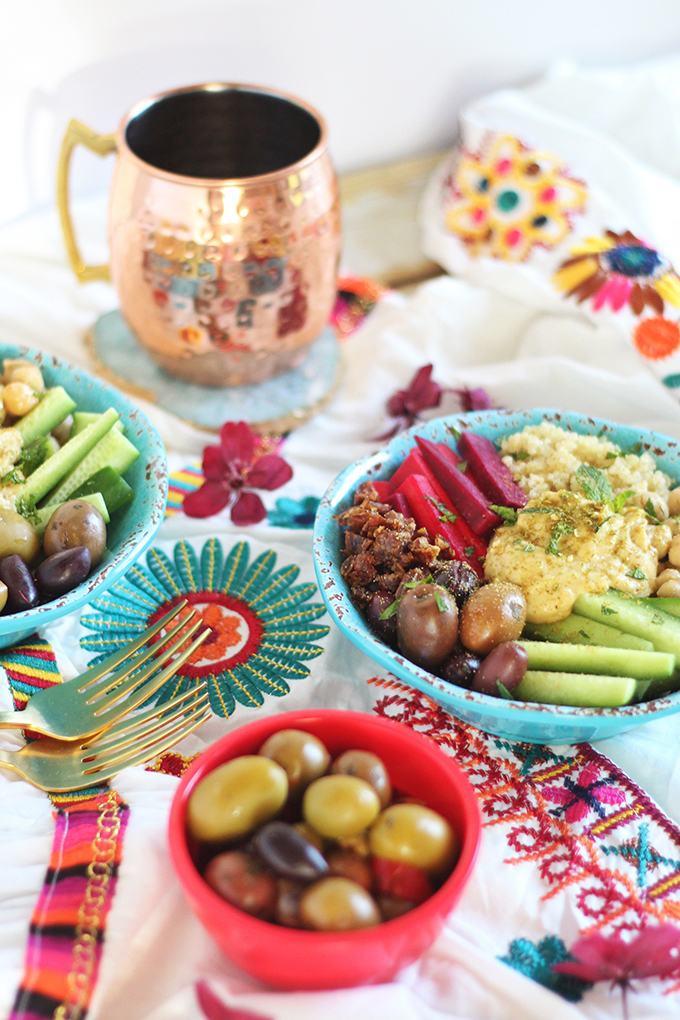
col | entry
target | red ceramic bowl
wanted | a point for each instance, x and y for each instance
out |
(288, 958)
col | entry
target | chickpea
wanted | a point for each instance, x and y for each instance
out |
(669, 590)
(669, 574)
(660, 539)
(29, 374)
(18, 399)
(674, 552)
(10, 365)
(674, 502)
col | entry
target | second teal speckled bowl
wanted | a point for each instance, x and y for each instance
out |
(515, 720)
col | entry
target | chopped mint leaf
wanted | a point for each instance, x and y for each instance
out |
(608, 611)
(391, 610)
(444, 513)
(636, 448)
(456, 433)
(618, 502)
(469, 550)
(650, 510)
(561, 529)
(462, 466)
(441, 604)
(503, 691)
(507, 513)
(583, 633)
(594, 484)
(520, 455)
(610, 455)
(636, 573)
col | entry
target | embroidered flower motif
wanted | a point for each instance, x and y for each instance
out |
(261, 623)
(509, 199)
(536, 962)
(589, 793)
(619, 270)
(654, 952)
(241, 462)
(291, 513)
(656, 338)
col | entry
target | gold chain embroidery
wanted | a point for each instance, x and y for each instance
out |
(99, 869)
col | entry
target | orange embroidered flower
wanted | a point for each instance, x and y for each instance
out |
(225, 632)
(656, 338)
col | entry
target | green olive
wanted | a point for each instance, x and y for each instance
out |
(340, 806)
(416, 835)
(301, 754)
(338, 904)
(427, 624)
(494, 613)
(236, 797)
(17, 535)
(73, 524)
(368, 766)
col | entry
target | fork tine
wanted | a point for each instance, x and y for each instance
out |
(131, 727)
(151, 750)
(137, 689)
(133, 662)
(95, 673)
(145, 744)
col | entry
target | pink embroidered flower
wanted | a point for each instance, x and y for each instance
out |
(589, 793)
(654, 952)
(240, 463)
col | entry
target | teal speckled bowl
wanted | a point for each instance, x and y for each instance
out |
(515, 720)
(132, 529)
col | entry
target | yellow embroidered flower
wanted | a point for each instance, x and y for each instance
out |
(508, 199)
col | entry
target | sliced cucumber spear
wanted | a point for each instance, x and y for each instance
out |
(580, 690)
(577, 630)
(112, 450)
(52, 471)
(633, 616)
(567, 658)
(54, 406)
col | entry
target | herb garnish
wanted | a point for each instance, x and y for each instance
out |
(507, 513)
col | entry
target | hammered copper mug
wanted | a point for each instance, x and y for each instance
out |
(224, 229)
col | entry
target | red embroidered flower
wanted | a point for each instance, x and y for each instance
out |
(231, 469)
(654, 952)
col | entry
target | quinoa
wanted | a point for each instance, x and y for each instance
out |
(545, 458)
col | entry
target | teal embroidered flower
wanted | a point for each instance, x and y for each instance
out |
(536, 961)
(291, 513)
(262, 623)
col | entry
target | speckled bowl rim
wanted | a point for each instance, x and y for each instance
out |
(140, 430)
(488, 711)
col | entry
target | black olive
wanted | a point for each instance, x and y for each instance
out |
(460, 667)
(459, 578)
(427, 624)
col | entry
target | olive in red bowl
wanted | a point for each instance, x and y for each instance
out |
(299, 958)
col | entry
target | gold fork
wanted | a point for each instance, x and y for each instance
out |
(93, 701)
(56, 766)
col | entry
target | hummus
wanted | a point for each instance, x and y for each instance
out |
(563, 544)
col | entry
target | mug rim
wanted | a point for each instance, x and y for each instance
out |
(215, 86)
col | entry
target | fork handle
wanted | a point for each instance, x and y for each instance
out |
(7, 761)
(24, 720)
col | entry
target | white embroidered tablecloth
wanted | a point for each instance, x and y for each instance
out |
(576, 839)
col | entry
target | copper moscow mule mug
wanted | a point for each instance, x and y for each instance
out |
(224, 229)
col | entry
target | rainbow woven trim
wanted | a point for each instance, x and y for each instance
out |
(67, 928)
(181, 482)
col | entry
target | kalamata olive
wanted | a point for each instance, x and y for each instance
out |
(368, 766)
(459, 578)
(386, 629)
(63, 571)
(241, 880)
(496, 612)
(289, 855)
(21, 590)
(347, 864)
(287, 910)
(338, 904)
(74, 523)
(236, 797)
(459, 667)
(17, 535)
(414, 834)
(505, 664)
(302, 755)
(339, 806)
(427, 624)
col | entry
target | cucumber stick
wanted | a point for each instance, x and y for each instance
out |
(567, 658)
(634, 616)
(54, 406)
(52, 471)
(40, 518)
(81, 419)
(582, 690)
(113, 450)
(671, 606)
(577, 630)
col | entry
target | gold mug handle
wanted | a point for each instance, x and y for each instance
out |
(79, 134)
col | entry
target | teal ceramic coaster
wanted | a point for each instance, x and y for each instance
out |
(276, 405)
